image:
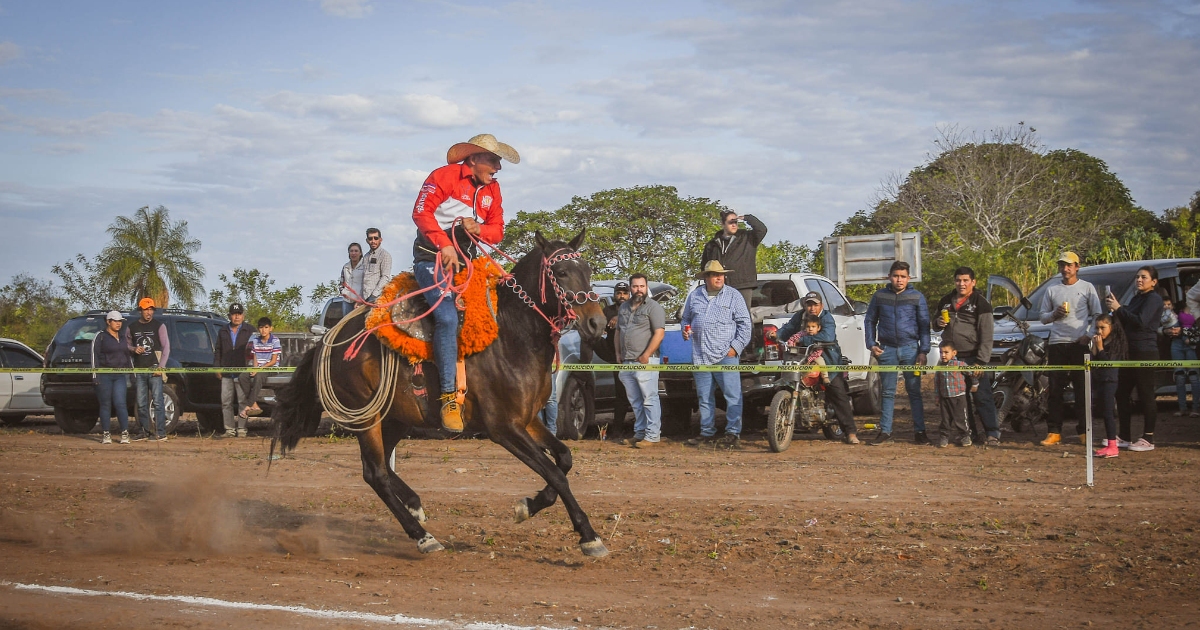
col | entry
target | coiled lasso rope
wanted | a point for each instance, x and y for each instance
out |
(366, 418)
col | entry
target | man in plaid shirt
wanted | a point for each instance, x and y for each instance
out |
(952, 399)
(717, 321)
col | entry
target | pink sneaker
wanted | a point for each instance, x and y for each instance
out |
(1109, 450)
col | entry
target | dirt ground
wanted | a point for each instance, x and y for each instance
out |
(823, 535)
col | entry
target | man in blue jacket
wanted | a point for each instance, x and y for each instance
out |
(838, 391)
(897, 330)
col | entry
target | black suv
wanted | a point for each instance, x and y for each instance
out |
(192, 334)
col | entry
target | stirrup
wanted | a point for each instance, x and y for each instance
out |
(451, 412)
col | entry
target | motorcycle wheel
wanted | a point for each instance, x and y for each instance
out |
(1005, 396)
(781, 421)
(833, 431)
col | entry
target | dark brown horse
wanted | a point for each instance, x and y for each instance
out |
(508, 384)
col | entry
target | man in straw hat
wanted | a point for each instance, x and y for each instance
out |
(717, 321)
(466, 189)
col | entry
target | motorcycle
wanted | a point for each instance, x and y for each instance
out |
(799, 403)
(1022, 397)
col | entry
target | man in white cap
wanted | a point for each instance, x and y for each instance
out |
(466, 191)
(716, 320)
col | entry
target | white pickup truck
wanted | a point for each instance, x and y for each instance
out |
(20, 394)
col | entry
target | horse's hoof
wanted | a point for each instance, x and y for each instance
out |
(418, 514)
(429, 544)
(521, 511)
(594, 549)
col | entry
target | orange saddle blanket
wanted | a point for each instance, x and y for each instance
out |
(415, 339)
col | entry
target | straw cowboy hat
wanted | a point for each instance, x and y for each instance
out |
(483, 143)
(713, 266)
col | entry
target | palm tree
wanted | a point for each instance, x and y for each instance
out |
(148, 254)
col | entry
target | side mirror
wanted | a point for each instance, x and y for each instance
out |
(318, 329)
(860, 308)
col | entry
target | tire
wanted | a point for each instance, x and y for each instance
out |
(869, 402)
(781, 421)
(171, 407)
(1004, 396)
(12, 420)
(75, 420)
(676, 417)
(833, 432)
(576, 410)
(210, 421)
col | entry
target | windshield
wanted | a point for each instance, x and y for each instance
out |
(79, 329)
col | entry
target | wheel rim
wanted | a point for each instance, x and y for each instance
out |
(578, 411)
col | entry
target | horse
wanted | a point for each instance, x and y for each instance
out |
(508, 384)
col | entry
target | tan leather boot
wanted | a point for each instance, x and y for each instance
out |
(451, 413)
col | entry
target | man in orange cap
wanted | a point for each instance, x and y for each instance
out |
(151, 347)
(465, 191)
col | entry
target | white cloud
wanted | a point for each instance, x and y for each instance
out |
(347, 8)
(8, 52)
(435, 111)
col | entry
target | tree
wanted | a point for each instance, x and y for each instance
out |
(83, 286)
(253, 289)
(646, 229)
(149, 254)
(321, 293)
(785, 257)
(32, 310)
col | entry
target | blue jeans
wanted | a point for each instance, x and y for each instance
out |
(1180, 351)
(445, 325)
(150, 385)
(642, 388)
(549, 413)
(904, 355)
(731, 385)
(111, 391)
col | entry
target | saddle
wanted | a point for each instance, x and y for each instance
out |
(414, 340)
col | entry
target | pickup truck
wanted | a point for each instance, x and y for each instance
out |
(192, 335)
(19, 395)
(776, 298)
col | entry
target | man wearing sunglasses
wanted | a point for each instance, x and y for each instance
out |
(458, 202)
(378, 270)
(736, 249)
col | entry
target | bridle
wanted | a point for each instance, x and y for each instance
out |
(566, 301)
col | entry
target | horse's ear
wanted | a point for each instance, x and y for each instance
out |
(540, 240)
(578, 240)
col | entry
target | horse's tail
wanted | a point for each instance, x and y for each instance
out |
(297, 410)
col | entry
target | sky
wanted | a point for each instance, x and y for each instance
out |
(280, 130)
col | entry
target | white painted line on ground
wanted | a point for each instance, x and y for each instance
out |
(298, 610)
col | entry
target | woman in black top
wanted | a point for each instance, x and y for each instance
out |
(1140, 319)
(112, 349)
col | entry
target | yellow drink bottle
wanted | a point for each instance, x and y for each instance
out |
(1067, 307)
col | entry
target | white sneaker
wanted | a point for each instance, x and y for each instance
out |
(124, 437)
(106, 438)
(1141, 446)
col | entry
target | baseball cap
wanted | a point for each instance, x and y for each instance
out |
(811, 296)
(146, 303)
(236, 308)
(114, 316)
(621, 286)
(1069, 257)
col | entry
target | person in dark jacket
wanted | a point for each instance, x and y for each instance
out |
(231, 352)
(897, 330)
(111, 349)
(1140, 319)
(737, 250)
(838, 391)
(964, 317)
(151, 349)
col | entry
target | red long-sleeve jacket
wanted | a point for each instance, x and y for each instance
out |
(449, 193)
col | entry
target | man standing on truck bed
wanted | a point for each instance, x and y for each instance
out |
(965, 316)
(737, 251)
(722, 329)
(377, 268)
(641, 324)
(838, 391)
(897, 328)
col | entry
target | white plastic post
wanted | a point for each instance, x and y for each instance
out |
(1087, 414)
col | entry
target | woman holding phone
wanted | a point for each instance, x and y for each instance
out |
(1141, 319)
